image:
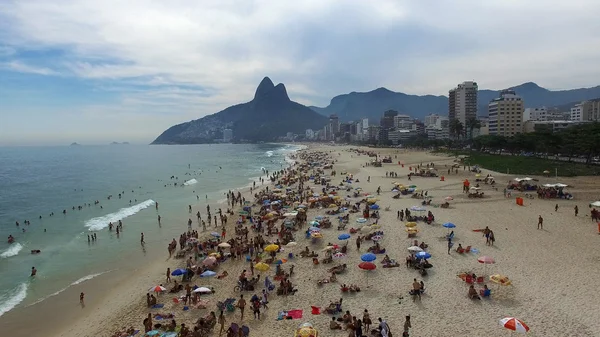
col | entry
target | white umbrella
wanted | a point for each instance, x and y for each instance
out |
(415, 249)
(514, 324)
(595, 203)
(224, 245)
(291, 244)
(202, 290)
(158, 289)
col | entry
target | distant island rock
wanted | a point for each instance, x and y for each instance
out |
(271, 114)
(75, 144)
(117, 143)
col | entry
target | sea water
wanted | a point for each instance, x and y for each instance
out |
(36, 182)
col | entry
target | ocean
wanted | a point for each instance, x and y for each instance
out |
(38, 181)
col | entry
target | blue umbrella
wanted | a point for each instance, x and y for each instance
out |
(208, 273)
(215, 234)
(314, 229)
(449, 225)
(344, 236)
(368, 257)
(178, 272)
(374, 207)
(423, 255)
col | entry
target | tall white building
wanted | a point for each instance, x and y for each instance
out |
(586, 111)
(431, 119)
(462, 102)
(403, 122)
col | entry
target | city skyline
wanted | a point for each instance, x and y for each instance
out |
(97, 72)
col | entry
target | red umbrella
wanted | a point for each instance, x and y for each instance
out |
(367, 266)
(514, 324)
(486, 260)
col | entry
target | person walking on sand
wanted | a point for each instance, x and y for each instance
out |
(576, 210)
(142, 239)
(81, 296)
(450, 244)
(168, 275)
(556, 208)
(221, 321)
(242, 305)
(407, 325)
(540, 222)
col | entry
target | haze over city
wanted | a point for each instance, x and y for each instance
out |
(102, 71)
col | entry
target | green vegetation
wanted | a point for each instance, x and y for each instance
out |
(520, 165)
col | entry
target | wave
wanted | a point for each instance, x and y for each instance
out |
(8, 303)
(269, 153)
(190, 182)
(13, 250)
(81, 280)
(98, 223)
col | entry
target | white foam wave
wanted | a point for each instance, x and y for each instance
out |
(81, 280)
(13, 250)
(98, 223)
(269, 153)
(8, 303)
(190, 182)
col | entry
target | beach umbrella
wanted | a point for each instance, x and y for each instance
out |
(412, 186)
(291, 244)
(448, 198)
(262, 266)
(333, 206)
(344, 236)
(339, 255)
(395, 190)
(272, 248)
(375, 206)
(152, 333)
(361, 220)
(328, 248)
(514, 324)
(411, 224)
(449, 225)
(314, 223)
(595, 204)
(314, 229)
(415, 249)
(377, 237)
(224, 245)
(316, 235)
(158, 289)
(178, 272)
(486, 260)
(215, 234)
(203, 290)
(209, 261)
(368, 257)
(306, 330)
(280, 261)
(208, 273)
(422, 255)
(367, 266)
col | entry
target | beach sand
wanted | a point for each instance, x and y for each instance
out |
(554, 271)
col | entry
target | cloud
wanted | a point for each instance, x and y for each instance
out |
(21, 67)
(185, 58)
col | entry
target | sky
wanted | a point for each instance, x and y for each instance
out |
(94, 71)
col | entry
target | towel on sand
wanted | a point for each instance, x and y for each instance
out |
(315, 310)
(158, 306)
(290, 314)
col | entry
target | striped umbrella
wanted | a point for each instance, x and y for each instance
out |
(339, 255)
(514, 324)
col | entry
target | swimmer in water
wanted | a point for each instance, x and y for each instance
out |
(33, 271)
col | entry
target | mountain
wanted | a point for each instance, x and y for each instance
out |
(269, 115)
(372, 104)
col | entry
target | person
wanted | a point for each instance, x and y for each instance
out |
(540, 222)
(33, 271)
(366, 320)
(256, 307)
(473, 293)
(416, 290)
(333, 325)
(81, 296)
(407, 324)
(576, 210)
(384, 328)
(168, 275)
(265, 300)
(221, 321)
(142, 239)
(241, 304)
(556, 208)
(450, 244)
(358, 331)
(492, 238)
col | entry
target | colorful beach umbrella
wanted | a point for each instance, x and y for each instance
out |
(486, 260)
(514, 324)
(224, 245)
(215, 234)
(377, 237)
(367, 266)
(208, 273)
(291, 244)
(272, 248)
(448, 198)
(374, 206)
(316, 235)
(178, 272)
(361, 220)
(152, 333)
(344, 236)
(262, 266)
(209, 261)
(202, 290)
(411, 224)
(280, 261)
(422, 255)
(415, 249)
(339, 255)
(368, 257)
(158, 289)
(500, 279)
(449, 225)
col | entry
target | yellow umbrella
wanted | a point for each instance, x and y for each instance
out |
(411, 224)
(478, 175)
(316, 235)
(333, 206)
(262, 266)
(412, 230)
(271, 248)
(306, 331)
(500, 279)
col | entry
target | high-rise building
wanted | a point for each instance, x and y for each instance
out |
(431, 119)
(387, 121)
(334, 123)
(586, 111)
(462, 102)
(506, 114)
(227, 135)
(403, 122)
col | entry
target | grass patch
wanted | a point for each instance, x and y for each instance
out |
(520, 165)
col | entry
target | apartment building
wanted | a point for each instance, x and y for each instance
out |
(506, 114)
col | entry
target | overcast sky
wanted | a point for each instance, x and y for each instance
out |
(105, 70)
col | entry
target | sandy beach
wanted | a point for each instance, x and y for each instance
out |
(553, 271)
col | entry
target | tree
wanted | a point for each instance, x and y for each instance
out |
(472, 124)
(456, 128)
